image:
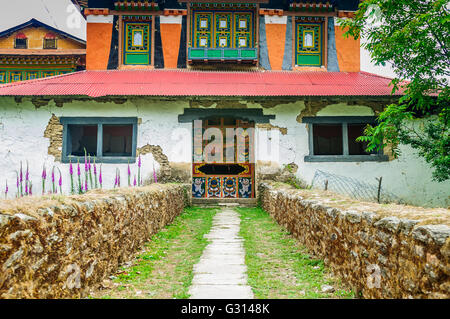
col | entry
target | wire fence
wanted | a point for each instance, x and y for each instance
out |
(354, 188)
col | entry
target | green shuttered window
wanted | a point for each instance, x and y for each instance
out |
(308, 44)
(137, 43)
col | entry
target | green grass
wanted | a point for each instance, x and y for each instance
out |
(278, 267)
(163, 269)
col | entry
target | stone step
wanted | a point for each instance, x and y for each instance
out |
(227, 202)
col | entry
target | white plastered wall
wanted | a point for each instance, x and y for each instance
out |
(22, 127)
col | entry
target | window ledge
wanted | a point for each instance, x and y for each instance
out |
(100, 160)
(347, 158)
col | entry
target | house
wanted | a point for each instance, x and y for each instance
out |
(218, 94)
(33, 50)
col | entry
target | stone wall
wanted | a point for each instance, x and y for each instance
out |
(380, 255)
(60, 247)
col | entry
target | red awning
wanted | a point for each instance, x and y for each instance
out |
(21, 35)
(50, 36)
(203, 83)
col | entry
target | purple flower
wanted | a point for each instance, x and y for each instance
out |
(21, 175)
(79, 170)
(6, 189)
(89, 162)
(100, 179)
(27, 174)
(53, 175)
(60, 180)
(129, 170)
(134, 183)
(95, 169)
(70, 169)
(139, 161)
(155, 179)
(85, 185)
(44, 173)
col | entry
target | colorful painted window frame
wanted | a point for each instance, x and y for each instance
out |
(135, 53)
(234, 30)
(308, 55)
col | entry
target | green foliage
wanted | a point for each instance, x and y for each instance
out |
(414, 36)
(277, 266)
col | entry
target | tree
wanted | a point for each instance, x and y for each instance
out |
(414, 36)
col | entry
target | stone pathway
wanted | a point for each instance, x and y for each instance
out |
(221, 271)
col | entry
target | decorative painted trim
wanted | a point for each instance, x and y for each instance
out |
(271, 12)
(96, 11)
(175, 12)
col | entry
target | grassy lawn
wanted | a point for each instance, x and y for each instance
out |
(278, 267)
(163, 269)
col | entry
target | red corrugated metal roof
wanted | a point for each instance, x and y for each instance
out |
(202, 83)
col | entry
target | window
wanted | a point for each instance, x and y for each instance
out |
(222, 29)
(15, 76)
(327, 139)
(32, 75)
(309, 41)
(20, 43)
(110, 140)
(137, 43)
(333, 139)
(49, 43)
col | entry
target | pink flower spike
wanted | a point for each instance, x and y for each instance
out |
(139, 161)
(70, 168)
(134, 182)
(79, 170)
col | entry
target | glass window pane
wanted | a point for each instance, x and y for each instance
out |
(117, 140)
(82, 137)
(327, 139)
(21, 43)
(355, 131)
